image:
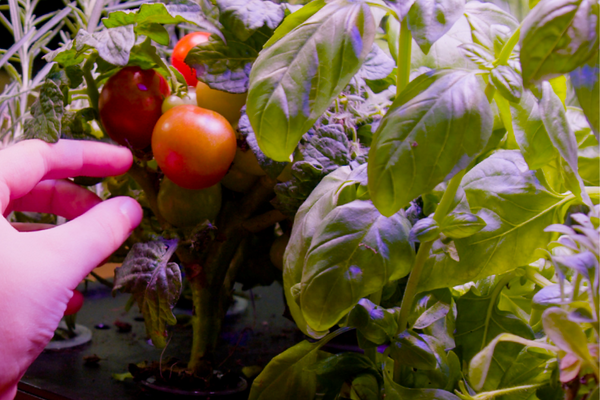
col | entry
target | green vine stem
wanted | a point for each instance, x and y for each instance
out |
(404, 57)
(147, 182)
(423, 254)
(536, 277)
(92, 88)
(508, 48)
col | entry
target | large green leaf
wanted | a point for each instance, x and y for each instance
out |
(516, 208)
(313, 211)
(563, 138)
(558, 36)
(434, 129)
(530, 133)
(294, 80)
(113, 44)
(585, 82)
(244, 17)
(479, 321)
(286, 376)
(155, 284)
(429, 20)
(354, 253)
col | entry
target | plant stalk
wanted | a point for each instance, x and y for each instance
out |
(423, 254)
(92, 88)
(404, 57)
(508, 48)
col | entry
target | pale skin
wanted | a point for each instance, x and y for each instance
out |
(39, 270)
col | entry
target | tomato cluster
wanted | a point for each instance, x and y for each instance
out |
(191, 135)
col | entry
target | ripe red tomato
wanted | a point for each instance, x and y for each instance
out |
(181, 50)
(75, 304)
(193, 146)
(130, 104)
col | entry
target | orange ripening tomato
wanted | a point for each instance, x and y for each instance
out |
(130, 104)
(181, 50)
(193, 146)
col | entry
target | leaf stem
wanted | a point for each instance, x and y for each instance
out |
(508, 48)
(143, 178)
(92, 88)
(423, 254)
(536, 277)
(500, 392)
(404, 57)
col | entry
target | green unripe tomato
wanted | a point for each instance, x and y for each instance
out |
(174, 100)
(238, 181)
(246, 161)
(187, 208)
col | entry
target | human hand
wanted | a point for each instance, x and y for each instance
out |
(39, 270)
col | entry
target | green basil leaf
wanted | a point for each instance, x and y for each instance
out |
(375, 323)
(425, 230)
(113, 44)
(562, 137)
(155, 284)
(458, 225)
(585, 82)
(429, 20)
(296, 18)
(479, 321)
(394, 391)
(286, 376)
(409, 348)
(508, 82)
(365, 387)
(377, 65)
(550, 296)
(558, 36)
(313, 211)
(478, 54)
(333, 371)
(483, 17)
(295, 79)
(516, 208)
(244, 17)
(529, 368)
(530, 132)
(400, 6)
(435, 127)
(354, 253)
(272, 168)
(588, 159)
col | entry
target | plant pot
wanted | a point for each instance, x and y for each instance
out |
(82, 336)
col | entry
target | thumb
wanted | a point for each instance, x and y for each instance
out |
(80, 245)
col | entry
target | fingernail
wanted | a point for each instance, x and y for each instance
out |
(131, 210)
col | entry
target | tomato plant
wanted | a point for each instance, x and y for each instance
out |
(75, 303)
(188, 208)
(180, 51)
(193, 146)
(130, 104)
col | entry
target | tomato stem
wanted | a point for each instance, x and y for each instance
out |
(92, 88)
(147, 181)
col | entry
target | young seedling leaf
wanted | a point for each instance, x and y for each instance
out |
(485, 20)
(46, 114)
(507, 82)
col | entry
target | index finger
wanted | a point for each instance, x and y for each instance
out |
(26, 163)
